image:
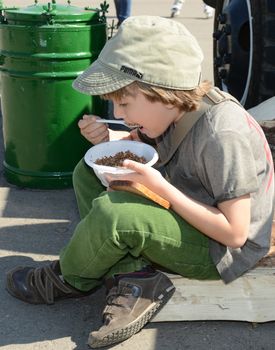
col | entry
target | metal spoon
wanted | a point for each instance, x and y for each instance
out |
(121, 122)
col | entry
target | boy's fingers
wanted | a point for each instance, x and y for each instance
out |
(131, 164)
(86, 121)
(89, 117)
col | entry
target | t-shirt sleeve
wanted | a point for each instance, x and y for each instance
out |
(227, 166)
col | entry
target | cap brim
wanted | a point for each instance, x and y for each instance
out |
(100, 79)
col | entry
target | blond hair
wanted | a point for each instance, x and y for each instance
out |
(184, 100)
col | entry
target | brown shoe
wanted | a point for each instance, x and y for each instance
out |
(130, 305)
(42, 285)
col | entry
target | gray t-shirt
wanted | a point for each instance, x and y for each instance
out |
(225, 155)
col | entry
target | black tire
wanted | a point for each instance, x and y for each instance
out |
(244, 49)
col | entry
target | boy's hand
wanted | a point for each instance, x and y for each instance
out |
(145, 175)
(94, 132)
(98, 132)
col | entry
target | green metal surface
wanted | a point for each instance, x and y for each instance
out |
(38, 64)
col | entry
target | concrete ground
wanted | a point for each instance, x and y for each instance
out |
(36, 224)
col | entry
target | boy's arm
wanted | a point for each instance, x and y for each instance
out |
(227, 224)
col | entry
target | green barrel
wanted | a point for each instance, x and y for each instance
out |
(43, 48)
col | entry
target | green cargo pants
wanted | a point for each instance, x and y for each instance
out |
(122, 232)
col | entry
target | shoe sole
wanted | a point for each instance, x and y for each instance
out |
(134, 327)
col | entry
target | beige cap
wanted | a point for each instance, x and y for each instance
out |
(154, 50)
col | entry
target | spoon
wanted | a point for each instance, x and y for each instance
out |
(121, 122)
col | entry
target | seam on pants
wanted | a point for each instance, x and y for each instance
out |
(163, 236)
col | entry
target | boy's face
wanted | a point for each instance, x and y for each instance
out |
(153, 117)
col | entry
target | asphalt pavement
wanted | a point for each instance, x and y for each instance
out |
(36, 224)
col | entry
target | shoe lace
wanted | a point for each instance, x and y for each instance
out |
(48, 284)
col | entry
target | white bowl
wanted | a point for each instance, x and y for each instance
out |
(107, 149)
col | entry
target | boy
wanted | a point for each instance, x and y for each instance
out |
(220, 186)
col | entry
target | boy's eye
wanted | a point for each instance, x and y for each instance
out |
(123, 104)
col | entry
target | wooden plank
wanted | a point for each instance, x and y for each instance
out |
(249, 298)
